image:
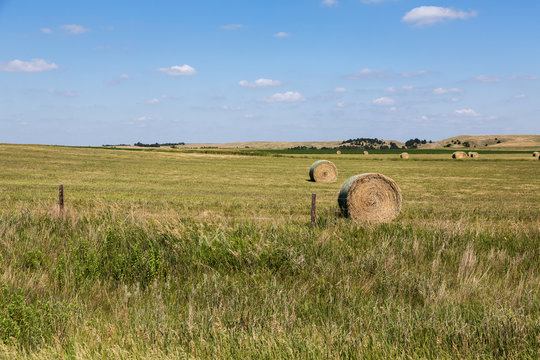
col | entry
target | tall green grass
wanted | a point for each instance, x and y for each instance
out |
(210, 257)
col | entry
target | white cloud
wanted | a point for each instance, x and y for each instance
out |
(249, 116)
(259, 83)
(340, 90)
(230, 108)
(412, 74)
(232, 26)
(487, 79)
(390, 89)
(34, 65)
(153, 101)
(384, 101)
(176, 70)
(119, 79)
(520, 96)
(407, 87)
(144, 118)
(467, 112)
(430, 15)
(289, 96)
(367, 72)
(442, 91)
(281, 34)
(46, 31)
(454, 99)
(329, 2)
(74, 29)
(341, 104)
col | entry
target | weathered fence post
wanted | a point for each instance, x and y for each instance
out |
(61, 197)
(313, 209)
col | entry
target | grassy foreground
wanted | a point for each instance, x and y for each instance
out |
(187, 255)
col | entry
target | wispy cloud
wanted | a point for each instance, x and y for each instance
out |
(467, 112)
(153, 101)
(144, 118)
(178, 70)
(119, 79)
(367, 72)
(230, 108)
(340, 90)
(34, 65)
(281, 34)
(384, 101)
(487, 79)
(430, 15)
(232, 26)
(329, 2)
(46, 31)
(289, 96)
(259, 83)
(520, 96)
(443, 91)
(65, 93)
(74, 29)
(412, 74)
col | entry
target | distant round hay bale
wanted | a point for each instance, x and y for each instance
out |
(473, 154)
(323, 171)
(536, 154)
(338, 152)
(370, 197)
(366, 153)
(459, 155)
(404, 155)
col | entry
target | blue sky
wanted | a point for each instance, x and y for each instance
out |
(107, 72)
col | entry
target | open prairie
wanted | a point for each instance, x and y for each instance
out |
(177, 254)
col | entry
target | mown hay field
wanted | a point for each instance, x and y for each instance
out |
(170, 254)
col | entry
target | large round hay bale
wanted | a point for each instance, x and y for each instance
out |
(338, 152)
(404, 155)
(323, 171)
(536, 154)
(370, 197)
(366, 153)
(473, 154)
(459, 155)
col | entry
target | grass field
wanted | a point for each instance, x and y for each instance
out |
(173, 254)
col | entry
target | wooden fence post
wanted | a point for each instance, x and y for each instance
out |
(313, 209)
(61, 197)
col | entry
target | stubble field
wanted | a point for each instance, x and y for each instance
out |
(172, 254)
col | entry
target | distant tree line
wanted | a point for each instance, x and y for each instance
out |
(413, 143)
(304, 148)
(363, 141)
(156, 145)
(368, 144)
